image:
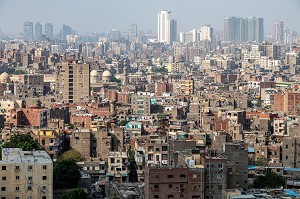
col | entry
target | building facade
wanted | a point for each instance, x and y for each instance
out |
(26, 174)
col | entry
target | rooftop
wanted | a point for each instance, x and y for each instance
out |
(16, 155)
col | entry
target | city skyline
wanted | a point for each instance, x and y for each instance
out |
(189, 16)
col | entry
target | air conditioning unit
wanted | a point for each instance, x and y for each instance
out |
(230, 173)
(220, 170)
(29, 182)
(43, 190)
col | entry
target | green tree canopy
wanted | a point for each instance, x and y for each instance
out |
(269, 180)
(66, 174)
(123, 123)
(71, 154)
(76, 194)
(24, 141)
(162, 69)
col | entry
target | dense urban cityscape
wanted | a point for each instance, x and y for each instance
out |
(198, 114)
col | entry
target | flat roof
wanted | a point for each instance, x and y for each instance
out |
(16, 155)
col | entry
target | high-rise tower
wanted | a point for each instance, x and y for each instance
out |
(49, 30)
(38, 31)
(28, 31)
(278, 34)
(166, 27)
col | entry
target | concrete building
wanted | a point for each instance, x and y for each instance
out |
(244, 29)
(80, 140)
(215, 176)
(65, 30)
(38, 31)
(187, 86)
(49, 31)
(73, 81)
(237, 165)
(171, 182)
(140, 104)
(189, 37)
(278, 34)
(29, 85)
(117, 166)
(26, 174)
(206, 33)
(167, 27)
(28, 31)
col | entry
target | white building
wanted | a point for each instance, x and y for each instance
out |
(167, 27)
(26, 174)
(189, 37)
(206, 33)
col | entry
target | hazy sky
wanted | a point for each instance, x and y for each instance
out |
(104, 15)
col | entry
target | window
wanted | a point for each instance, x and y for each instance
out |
(3, 167)
(29, 167)
(17, 188)
(44, 197)
(156, 196)
(29, 177)
(44, 177)
(17, 167)
(17, 198)
(170, 176)
(182, 175)
(3, 178)
(156, 186)
(170, 185)
(220, 166)
(170, 196)
(44, 167)
(3, 188)
(17, 177)
(29, 188)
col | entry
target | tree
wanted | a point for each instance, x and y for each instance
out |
(76, 194)
(269, 180)
(66, 174)
(160, 70)
(123, 123)
(261, 161)
(24, 141)
(19, 72)
(133, 176)
(71, 154)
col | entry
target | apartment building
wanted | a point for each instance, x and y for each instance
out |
(73, 81)
(168, 182)
(26, 174)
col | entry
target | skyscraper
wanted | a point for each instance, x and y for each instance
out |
(66, 30)
(49, 30)
(38, 31)
(133, 32)
(206, 33)
(278, 34)
(173, 31)
(243, 29)
(28, 31)
(166, 27)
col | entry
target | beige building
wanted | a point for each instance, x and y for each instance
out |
(117, 166)
(26, 174)
(73, 81)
